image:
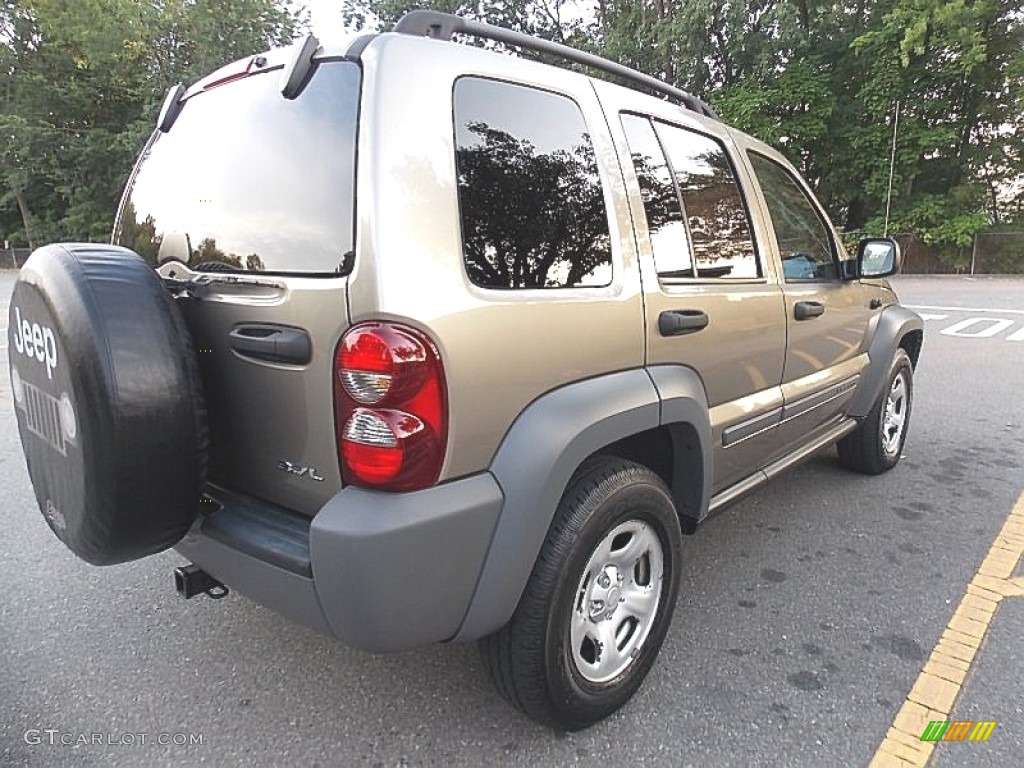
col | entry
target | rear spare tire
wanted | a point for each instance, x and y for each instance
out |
(108, 401)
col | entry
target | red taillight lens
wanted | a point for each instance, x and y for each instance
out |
(390, 407)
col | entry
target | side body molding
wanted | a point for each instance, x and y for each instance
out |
(892, 325)
(533, 466)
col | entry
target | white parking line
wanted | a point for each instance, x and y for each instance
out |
(969, 309)
(975, 327)
(994, 326)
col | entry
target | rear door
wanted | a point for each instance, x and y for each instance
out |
(250, 197)
(710, 301)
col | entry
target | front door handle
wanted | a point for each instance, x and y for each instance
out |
(805, 310)
(274, 343)
(678, 322)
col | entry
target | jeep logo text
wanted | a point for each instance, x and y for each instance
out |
(35, 340)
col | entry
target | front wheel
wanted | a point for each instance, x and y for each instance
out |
(877, 444)
(598, 602)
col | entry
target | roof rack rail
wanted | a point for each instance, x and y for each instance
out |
(442, 26)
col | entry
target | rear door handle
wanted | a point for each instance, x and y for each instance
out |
(678, 322)
(805, 310)
(274, 343)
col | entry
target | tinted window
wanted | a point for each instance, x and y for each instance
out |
(669, 239)
(805, 244)
(254, 180)
(713, 206)
(533, 212)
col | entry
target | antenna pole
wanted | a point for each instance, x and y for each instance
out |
(892, 168)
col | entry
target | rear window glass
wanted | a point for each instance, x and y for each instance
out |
(249, 180)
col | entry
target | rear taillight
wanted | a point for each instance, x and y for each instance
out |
(391, 408)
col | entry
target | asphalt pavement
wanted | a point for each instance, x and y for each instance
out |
(806, 614)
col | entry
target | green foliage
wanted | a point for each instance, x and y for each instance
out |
(83, 82)
(948, 222)
(550, 19)
(821, 81)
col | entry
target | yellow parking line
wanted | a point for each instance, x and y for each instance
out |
(942, 678)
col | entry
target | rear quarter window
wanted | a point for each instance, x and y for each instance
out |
(531, 202)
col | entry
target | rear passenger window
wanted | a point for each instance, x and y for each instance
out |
(532, 207)
(805, 245)
(669, 238)
(696, 216)
(712, 204)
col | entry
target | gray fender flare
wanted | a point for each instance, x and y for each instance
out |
(892, 325)
(536, 460)
(684, 408)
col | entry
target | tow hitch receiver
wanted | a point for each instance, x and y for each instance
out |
(191, 580)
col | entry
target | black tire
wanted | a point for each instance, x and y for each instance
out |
(532, 659)
(877, 444)
(110, 406)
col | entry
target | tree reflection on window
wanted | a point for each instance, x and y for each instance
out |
(531, 218)
(143, 238)
(670, 241)
(715, 213)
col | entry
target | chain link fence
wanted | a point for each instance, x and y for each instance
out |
(998, 253)
(990, 253)
(13, 258)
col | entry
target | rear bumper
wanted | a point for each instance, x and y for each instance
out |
(379, 571)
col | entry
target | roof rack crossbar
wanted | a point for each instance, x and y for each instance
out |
(442, 26)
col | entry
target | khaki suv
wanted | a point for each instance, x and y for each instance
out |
(417, 342)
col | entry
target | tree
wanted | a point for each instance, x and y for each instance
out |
(549, 19)
(821, 81)
(83, 83)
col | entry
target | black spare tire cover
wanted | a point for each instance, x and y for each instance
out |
(108, 401)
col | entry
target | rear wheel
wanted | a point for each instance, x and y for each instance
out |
(877, 444)
(598, 602)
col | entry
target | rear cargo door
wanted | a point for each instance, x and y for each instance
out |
(248, 199)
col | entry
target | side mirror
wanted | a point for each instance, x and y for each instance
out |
(878, 257)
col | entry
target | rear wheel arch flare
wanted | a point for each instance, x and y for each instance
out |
(546, 446)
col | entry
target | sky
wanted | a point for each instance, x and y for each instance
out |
(325, 15)
(325, 18)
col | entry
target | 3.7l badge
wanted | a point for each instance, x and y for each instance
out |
(295, 469)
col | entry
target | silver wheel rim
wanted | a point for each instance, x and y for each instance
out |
(894, 415)
(616, 602)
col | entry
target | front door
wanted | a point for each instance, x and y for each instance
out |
(826, 315)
